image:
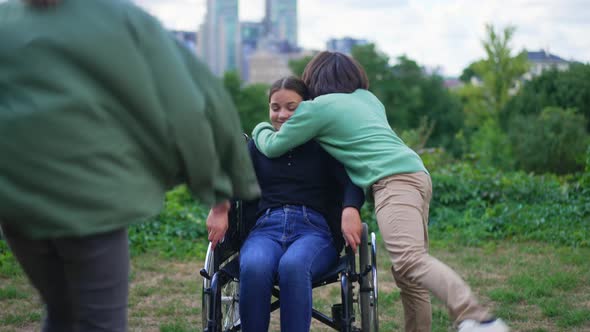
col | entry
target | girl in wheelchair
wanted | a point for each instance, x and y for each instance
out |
(308, 205)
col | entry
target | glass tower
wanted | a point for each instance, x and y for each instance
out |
(219, 36)
(281, 20)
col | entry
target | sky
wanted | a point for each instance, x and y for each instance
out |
(435, 33)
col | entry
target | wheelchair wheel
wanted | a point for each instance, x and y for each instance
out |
(230, 313)
(368, 282)
(228, 307)
(206, 297)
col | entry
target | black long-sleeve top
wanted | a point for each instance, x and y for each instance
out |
(306, 175)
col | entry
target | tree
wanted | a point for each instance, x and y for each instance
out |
(469, 73)
(250, 100)
(553, 140)
(484, 104)
(565, 89)
(376, 65)
(233, 84)
(500, 71)
(412, 97)
(253, 106)
(298, 65)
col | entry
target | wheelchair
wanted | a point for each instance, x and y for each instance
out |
(357, 310)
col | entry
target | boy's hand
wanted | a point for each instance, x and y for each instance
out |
(352, 227)
(217, 223)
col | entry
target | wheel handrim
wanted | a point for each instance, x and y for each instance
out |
(375, 285)
(206, 285)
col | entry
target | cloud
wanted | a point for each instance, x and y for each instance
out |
(444, 33)
(176, 14)
(449, 33)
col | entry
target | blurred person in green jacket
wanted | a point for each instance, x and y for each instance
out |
(101, 112)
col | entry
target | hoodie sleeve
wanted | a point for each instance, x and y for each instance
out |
(204, 127)
(305, 124)
(236, 170)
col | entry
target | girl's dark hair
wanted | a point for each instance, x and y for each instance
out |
(290, 83)
(334, 72)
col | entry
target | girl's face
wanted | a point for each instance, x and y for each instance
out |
(282, 105)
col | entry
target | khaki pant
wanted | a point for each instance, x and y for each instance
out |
(401, 205)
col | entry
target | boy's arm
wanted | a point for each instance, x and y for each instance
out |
(236, 175)
(304, 125)
(203, 122)
(180, 102)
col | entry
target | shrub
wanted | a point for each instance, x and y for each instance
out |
(178, 231)
(491, 146)
(552, 141)
(476, 204)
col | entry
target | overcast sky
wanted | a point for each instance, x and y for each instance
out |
(445, 33)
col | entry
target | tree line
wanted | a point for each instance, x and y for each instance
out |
(496, 118)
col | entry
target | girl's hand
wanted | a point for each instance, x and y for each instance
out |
(352, 227)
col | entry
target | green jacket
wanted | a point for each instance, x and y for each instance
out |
(353, 128)
(101, 112)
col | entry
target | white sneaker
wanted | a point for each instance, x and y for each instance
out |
(497, 325)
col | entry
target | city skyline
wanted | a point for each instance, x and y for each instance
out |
(226, 44)
(218, 43)
(281, 20)
(445, 33)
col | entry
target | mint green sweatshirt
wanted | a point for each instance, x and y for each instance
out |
(101, 112)
(353, 128)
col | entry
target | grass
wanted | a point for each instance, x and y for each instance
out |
(533, 286)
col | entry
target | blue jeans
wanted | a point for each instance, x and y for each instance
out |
(290, 245)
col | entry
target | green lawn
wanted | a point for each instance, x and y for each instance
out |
(533, 286)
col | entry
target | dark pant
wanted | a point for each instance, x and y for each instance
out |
(83, 281)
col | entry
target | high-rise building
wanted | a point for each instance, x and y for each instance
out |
(251, 33)
(344, 45)
(267, 66)
(219, 36)
(281, 21)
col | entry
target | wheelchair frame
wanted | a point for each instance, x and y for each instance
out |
(220, 292)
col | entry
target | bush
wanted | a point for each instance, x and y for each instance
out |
(8, 264)
(474, 204)
(491, 146)
(471, 205)
(586, 176)
(178, 231)
(436, 158)
(552, 141)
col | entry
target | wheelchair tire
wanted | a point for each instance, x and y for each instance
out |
(230, 311)
(368, 285)
(206, 296)
(229, 288)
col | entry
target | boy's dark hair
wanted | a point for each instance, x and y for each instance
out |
(290, 83)
(334, 72)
